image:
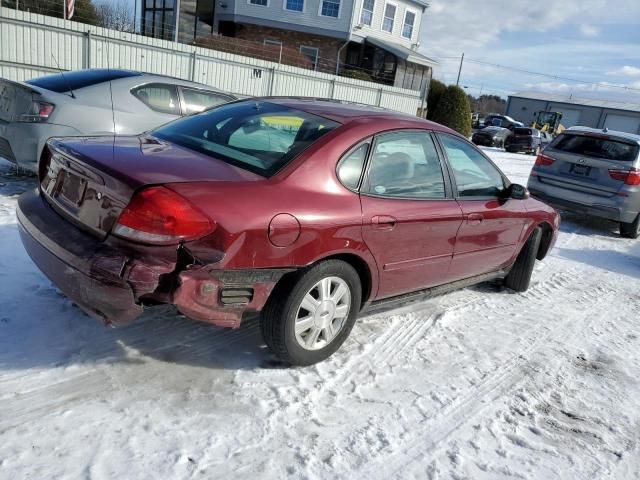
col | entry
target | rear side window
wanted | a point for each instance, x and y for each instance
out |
(195, 101)
(258, 136)
(160, 97)
(79, 79)
(595, 146)
(405, 164)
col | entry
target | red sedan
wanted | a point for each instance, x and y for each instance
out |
(306, 210)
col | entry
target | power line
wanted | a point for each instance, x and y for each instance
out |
(541, 74)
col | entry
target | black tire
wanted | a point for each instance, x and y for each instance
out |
(519, 277)
(279, 315)
(630, 230)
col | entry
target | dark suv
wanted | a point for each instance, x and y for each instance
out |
(529, 140)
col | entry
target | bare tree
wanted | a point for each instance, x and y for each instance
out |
(116, 15)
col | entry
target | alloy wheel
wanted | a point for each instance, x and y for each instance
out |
(322, 313)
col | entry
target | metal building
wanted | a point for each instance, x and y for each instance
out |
(587, 112)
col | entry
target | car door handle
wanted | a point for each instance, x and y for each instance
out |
(383, 222)
(475, 218)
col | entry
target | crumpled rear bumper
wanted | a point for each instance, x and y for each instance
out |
(101, 280)
(111, 284)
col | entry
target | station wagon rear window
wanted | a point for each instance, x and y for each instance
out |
(61, 83)
(261, 137)
(596, 146)
(526, 132)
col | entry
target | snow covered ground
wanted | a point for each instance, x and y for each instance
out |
(481, 383)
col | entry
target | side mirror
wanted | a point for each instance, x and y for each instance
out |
(517, 192)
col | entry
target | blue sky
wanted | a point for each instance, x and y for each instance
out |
(592, 41)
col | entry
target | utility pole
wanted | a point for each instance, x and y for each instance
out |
(64, 9)
(460, 70)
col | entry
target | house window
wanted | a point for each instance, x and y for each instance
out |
(262, 3)
(389, 17)
(311, 53)
(275, 43)
(409, 22)
(295, 5)
(366, 16)
(330, 8)
(158, 19)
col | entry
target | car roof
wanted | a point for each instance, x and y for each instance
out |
(343, 112)
(613, 133)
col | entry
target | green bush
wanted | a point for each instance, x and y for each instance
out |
(436, 89)
(454, 111)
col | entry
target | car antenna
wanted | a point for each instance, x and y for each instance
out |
(63, 77)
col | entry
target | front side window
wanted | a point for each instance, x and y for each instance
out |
(405, 165)
(258, 136)
(474, 174)
(195, 101)
(366, 15)
(330, 8)
(389, 17)
(262, 3)
(311, 53)
(350, 167)
(409, 21)
(160, 97)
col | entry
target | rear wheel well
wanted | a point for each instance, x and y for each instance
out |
(360, 266)
(545, 241)
(363, 272)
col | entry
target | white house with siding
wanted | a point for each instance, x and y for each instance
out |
(376, 39)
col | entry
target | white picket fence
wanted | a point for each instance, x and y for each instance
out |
(32, 45)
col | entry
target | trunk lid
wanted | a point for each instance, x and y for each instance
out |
(582, 163)
(16, 99)
(90, 180)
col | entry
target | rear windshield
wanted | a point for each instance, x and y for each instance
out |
(593, 146)
(261, 137)
(525, 131)
(79, 79)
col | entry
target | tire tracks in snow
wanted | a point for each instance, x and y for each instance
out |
(30, 399)
(430, 433)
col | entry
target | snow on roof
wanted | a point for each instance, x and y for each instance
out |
(589, 102)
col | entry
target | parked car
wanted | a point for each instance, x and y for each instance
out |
(529, 140)
(491, 137)
(503, 121)
(80, 103)
(595, 172)
(362, 209)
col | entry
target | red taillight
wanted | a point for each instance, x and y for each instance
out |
(544, 161)
(40, 112)
(160, 216)
(630, 177)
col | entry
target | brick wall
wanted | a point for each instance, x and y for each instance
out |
(327, 47)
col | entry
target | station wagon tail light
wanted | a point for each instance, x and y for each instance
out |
(40, 112)
(160, 216)
(629, 177)
(544, 161)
